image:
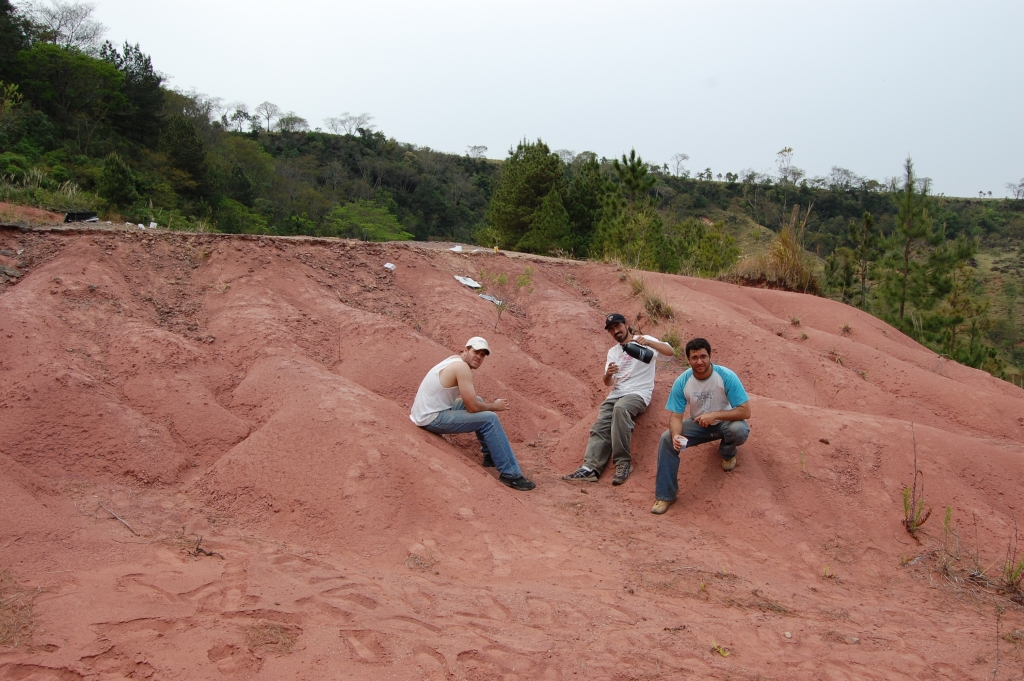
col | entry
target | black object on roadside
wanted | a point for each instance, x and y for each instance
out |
(80, 216)
(637, 351)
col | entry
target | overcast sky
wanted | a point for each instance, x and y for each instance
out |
(857, 84)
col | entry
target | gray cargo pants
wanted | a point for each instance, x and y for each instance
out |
(610, 435)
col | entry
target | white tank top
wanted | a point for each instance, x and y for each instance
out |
(432, 397)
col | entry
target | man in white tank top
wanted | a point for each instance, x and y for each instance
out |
(446, 402)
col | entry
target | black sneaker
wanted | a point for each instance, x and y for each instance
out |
(622, 471)
(488, 461)
(583, 474)
(519, 483)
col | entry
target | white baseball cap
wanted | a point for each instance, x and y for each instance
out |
(478, 343)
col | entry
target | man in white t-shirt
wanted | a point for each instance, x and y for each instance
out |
(632, 382)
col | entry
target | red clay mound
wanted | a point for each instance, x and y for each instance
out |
(207, 468)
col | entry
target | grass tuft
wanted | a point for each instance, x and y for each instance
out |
(16, 621)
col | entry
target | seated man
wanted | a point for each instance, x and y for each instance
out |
(719, 408)
(632, 383)
(446, 402)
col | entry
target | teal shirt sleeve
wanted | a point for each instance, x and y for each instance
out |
(733, 388)
(676, 396)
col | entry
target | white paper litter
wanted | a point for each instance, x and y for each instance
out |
(390, 266)
(153, 225)
(457, 249)
(468, 282)
(490, 298)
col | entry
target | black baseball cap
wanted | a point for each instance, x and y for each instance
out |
(614, 318)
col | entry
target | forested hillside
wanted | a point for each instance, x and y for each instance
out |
(87, 125)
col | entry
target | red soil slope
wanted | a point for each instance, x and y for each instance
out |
(255, 392)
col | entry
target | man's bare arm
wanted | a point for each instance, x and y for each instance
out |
(663, 348)
(464, 378)
(740, 413)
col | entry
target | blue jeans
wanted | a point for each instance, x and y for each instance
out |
(731, 433)
(488, 431)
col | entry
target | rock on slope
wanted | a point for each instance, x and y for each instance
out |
(254, 393)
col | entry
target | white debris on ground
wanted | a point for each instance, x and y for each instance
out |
(490, 298)
(468, 282)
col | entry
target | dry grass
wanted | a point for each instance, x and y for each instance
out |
(16, 622)
(784, 264)
(272, 637)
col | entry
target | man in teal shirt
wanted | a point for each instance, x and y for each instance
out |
(719, 409)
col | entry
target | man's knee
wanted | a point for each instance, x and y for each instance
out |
(665, 444)
(736, 432)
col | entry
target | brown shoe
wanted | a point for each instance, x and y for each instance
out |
(622, 471)
(660, 506)
(728, 464)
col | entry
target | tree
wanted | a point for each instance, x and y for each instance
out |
(14, 32)
(187, 153)
(528, 175)
(476, 151)
(549, 228)
(74, 89)
(364, 220)
(348, 124)
(142, 118)
(584, 198)
(117, 183)
(68, 24)
(268, 110)
(677, 162)
(865, 251)
(290, 122)
(909, 244)
(1016, 190)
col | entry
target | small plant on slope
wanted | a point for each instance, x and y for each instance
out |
(914, 513)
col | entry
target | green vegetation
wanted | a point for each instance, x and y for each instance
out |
(85, 125)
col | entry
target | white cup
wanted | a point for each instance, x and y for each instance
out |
(680, 441)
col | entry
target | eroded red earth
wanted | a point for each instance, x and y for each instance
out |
(254, 392)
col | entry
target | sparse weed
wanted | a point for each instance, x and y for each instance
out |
(636, 284)
(803, 462)
(507, 289)
(657, 308)
(795, 321)
(834, 356)
(671, 336)
(271, 637)
(715, 648)
(1013, 568)
(914, 513)
(16, 621)
(803, 336)
(827, 573)
(846, 330)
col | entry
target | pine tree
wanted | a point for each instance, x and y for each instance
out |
(865, 251)
(117, 183)
(529, 174)
(549, 227)
(909, 245)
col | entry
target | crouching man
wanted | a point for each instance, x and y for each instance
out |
(719, 409)
(446, 402)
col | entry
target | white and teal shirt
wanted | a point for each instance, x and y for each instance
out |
(721, 391)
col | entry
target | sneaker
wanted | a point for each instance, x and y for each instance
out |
(583, 474)
(488, 461)
(519, 483)
(660, 507)
(728, 464)
(622, 471)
